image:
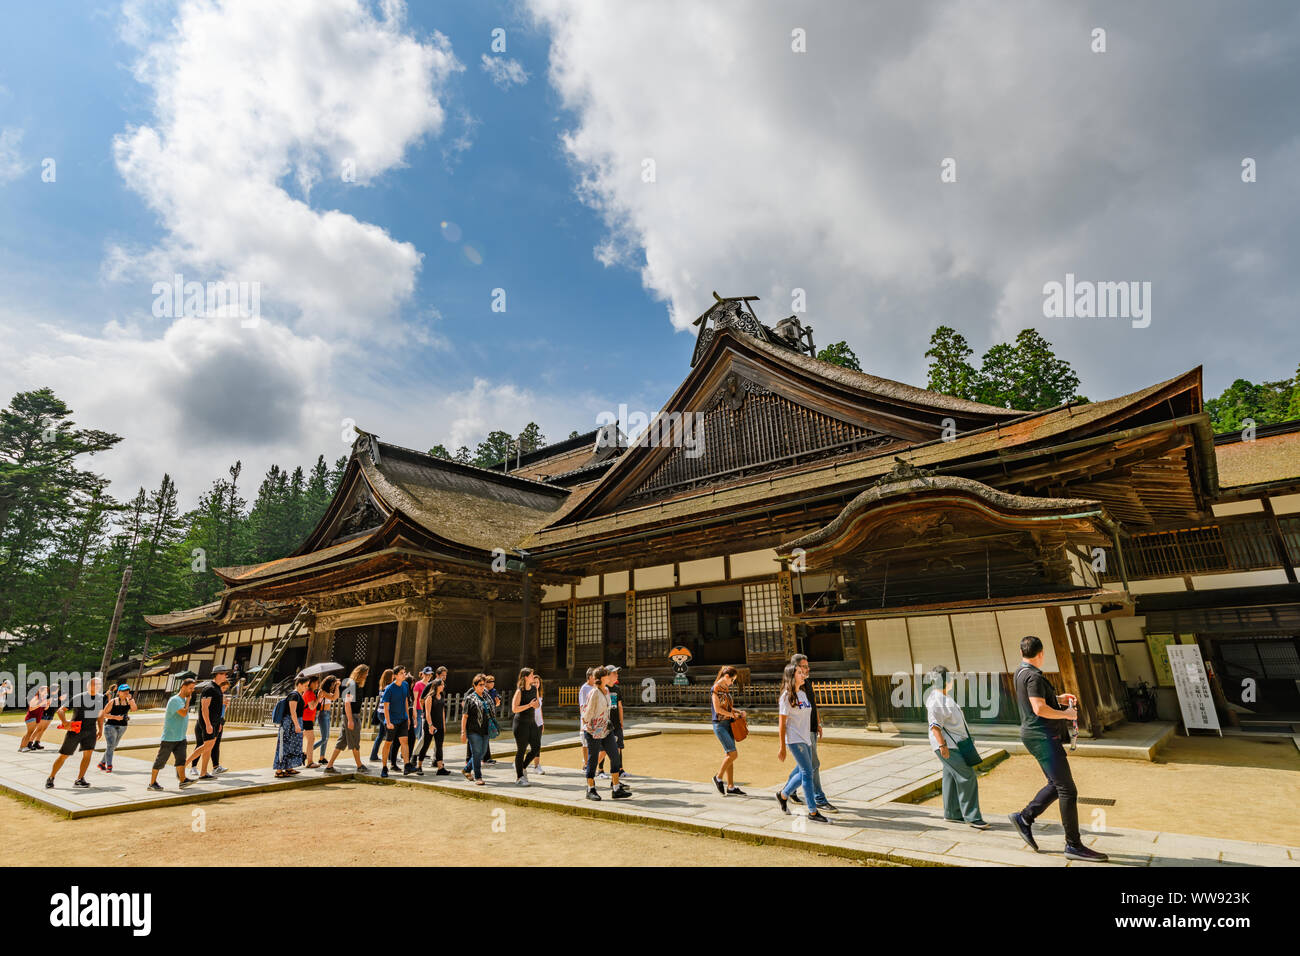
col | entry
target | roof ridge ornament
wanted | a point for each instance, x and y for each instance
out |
(737, 312)
(903, 471)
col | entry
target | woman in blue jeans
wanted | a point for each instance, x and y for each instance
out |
(329, 692)
(794, 727)
(724, 712)
(475, 724)
(385, 679)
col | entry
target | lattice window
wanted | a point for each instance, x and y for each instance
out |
(586, 632)
(546, 634)
(509, 637)
(763, 619)
(849, 635)
(457, 636)
(653, 634)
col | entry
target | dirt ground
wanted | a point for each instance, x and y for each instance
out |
(349, 824)
(675, 756)
(1234, 788)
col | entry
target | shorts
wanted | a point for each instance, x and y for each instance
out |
(308, 725)
(201, 734)
(722, 730)
(85, 740)
(167, 749)
(400, 729)
(349, 739)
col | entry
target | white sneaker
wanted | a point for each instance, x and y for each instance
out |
(603, 775)
(539, 771)
(523, 781)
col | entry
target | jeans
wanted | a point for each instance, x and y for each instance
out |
(802, 754)
(476, 747)
(1060, 786)
(112, 734)
(722, 730)
(608, 745)
(528, 738)
(792, 784)
(961, 791)
(323, 731)
(380, 733)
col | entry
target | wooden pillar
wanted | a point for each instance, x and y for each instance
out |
(569, 641)
(423, 629)
(1067, 662)
(404, 652)
(488, 641)
(788, 640)
(864, 661)
(318, 645)
(630, 640)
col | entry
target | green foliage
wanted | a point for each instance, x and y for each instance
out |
(839, 353)
(1025, 375)
(1264, 404)
(440, 451)
(65, 542)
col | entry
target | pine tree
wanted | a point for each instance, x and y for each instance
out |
(839, 353)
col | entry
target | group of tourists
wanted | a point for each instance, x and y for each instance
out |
(410, 717)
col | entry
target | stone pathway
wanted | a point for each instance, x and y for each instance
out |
(871, 825)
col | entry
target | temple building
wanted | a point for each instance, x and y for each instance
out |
(779, 503)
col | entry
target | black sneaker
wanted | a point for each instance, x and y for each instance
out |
(794, 797)
(828, 807)
(722, 789)
(156, 787)
(1024, 829)
(735, 792)
(49, 783)
(591, 793)
(419, 771)
(1085, 854)
(187, 782)
(817, 818)
(329, 769)
(443, 772)
(207, 776)
(81, 782)
(407, 769)
(620, 792)
(782, 799)
(383, 771)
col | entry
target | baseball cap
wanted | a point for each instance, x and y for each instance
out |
(123, 686)
(221, 669)
(427, 670)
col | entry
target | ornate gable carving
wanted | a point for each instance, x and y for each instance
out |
(747, 429)
(362, 516)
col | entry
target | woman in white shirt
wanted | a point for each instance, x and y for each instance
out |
(961, 793)
(794, 727)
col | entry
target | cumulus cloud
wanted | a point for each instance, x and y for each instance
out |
(254, 104)
(505, 72)
(721, 158)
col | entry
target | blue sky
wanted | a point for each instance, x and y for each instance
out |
(207, 138)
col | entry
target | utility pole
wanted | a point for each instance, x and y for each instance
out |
(117, 618)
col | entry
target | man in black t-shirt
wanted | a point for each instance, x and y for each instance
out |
(84, 714)
(211, 708)
(1042, 723)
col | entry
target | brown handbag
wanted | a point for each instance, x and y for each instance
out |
(739, 729)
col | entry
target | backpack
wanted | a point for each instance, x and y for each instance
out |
(281, 711)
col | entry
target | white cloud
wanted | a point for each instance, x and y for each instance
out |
(776, 170)
(11, 161)
(250, 98)
(505, 72)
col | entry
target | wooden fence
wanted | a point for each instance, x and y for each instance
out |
(830, 693)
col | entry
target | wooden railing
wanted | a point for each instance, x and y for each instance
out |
(758, 696)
